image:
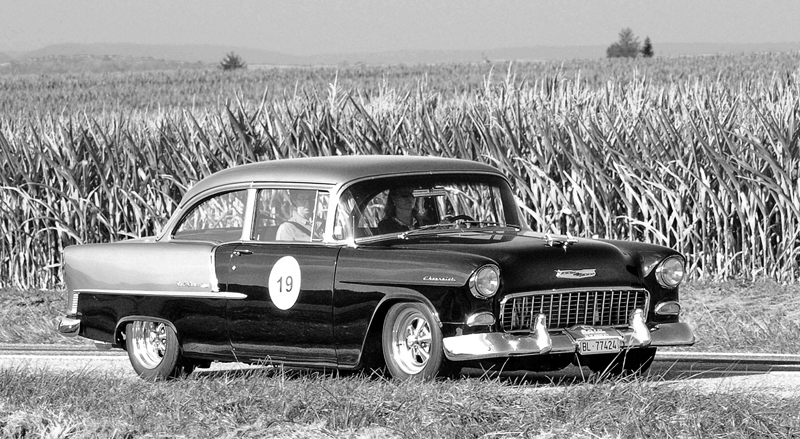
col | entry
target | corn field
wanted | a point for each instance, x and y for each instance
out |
(706, 166)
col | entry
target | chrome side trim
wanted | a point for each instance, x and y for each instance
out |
(186, 295)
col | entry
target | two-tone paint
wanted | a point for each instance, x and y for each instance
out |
(215, 295)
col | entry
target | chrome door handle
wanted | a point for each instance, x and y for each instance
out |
(242, 252)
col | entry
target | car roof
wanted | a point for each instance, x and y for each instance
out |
(334, 170)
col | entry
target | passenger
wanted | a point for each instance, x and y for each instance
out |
(399, 213)
(298, 228)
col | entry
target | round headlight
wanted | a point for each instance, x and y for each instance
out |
(669, 273)
(485, 282)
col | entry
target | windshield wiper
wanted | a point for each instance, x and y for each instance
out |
(459, 226)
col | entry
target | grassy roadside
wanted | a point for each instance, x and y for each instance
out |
(731, 316)
(727, 317)
(264, 404)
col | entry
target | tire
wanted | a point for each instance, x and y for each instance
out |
(153, 350)
(630, 362)
(412, 342)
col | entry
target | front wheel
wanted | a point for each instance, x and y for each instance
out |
(153, 350)
(412, 342)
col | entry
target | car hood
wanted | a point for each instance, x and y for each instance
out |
(533, 261)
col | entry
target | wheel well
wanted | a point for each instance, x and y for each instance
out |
(372, 351)
(122, 324)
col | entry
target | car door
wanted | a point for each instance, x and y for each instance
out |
(287, 314)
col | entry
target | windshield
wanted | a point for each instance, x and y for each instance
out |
(394, 206)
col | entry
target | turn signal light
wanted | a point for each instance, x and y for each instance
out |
(481, 319)
(668, 309)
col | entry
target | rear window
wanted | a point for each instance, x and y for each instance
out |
(218, 219)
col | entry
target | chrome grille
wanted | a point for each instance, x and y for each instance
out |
(572, 307)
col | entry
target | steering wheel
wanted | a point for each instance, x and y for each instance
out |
(457, 218)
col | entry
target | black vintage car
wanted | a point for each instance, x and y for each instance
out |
(420, 264)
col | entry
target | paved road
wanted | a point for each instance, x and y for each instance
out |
(716, 372)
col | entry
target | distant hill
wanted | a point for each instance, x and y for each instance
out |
(212, 55)
(187, 54)
(92, 63)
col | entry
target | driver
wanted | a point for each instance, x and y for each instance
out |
(400, 214)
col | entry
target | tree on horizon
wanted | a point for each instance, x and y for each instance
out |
(626, 47)
(647, 49)
(232, 61)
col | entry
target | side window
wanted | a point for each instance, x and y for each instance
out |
(343, 225)
(354, 222)
(373, 212)
(290, 215)
(219, 218)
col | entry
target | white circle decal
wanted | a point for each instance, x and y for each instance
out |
(284, 282)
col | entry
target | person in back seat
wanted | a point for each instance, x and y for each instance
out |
(298, 228)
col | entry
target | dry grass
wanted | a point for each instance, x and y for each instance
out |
(265, 404)
(738, 316)
(731, 316)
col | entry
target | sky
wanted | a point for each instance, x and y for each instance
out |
(311, 27)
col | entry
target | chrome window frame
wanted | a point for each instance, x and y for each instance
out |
(252, 188)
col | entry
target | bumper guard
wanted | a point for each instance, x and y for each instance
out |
(541, 341)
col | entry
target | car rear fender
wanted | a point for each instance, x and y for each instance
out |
(107, 283)
(141, 265)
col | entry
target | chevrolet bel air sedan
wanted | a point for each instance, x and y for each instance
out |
(417, 266)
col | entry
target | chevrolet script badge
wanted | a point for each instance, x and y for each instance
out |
(576, 274)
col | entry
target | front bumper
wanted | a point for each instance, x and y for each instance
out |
(541, 341)
(69, 326)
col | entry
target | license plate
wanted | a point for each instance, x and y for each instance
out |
(599, 346)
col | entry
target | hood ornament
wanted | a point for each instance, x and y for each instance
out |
(576, 274)
(559, 241)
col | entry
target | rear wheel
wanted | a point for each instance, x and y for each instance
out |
(632, 361)
(153, 350)
(412, 342)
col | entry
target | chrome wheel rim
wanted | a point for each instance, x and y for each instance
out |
(411, 341)
(148, 342)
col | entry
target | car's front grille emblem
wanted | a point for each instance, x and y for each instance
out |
(576, 274)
